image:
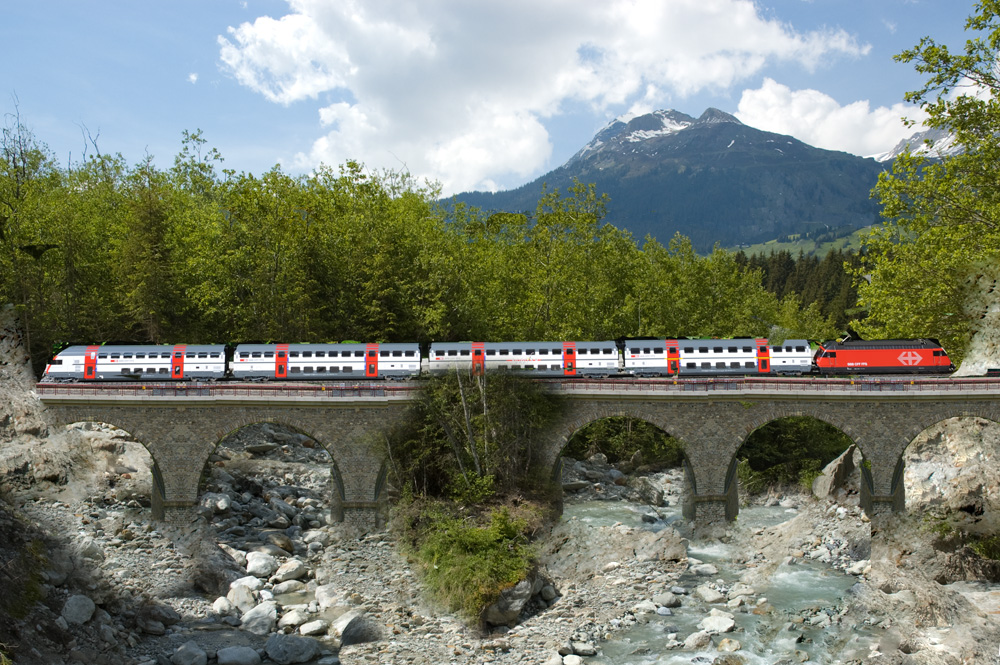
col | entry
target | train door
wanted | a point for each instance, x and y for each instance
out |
(673, 356)
(478, 358)
(281, 362)
(177, 362)
(371, 361)
(763, 356)
(569, 359)
(90, 362)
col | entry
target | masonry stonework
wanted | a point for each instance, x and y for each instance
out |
(711, 427)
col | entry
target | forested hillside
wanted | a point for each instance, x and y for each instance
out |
(105, 250)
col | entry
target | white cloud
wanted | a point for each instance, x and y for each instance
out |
(819, 120)
(458, 91)
(193, 77)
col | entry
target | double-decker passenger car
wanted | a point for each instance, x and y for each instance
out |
(139, 362)
(883, 356)
(537, 358)
(644, 357)
(325, 361)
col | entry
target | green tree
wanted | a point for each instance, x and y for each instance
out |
(944, 214)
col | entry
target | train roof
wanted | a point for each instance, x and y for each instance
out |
(918, 343)
(540, 345)
(352, 346)
(79, 349)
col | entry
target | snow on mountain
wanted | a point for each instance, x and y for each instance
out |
(934, 143)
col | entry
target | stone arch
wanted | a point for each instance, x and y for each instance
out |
(832, 418)
(335, 497)
(580, 414)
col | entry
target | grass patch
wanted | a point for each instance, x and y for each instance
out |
(467, 558)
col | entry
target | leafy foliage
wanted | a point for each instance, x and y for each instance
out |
(620, 438)
(943, 214)
(787, 452)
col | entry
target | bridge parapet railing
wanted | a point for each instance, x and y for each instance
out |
(113, 391)
(789, 385)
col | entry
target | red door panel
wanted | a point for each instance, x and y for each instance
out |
(90, 363)
(281, 362)
(763, 356)
(371, 361)
(177, 362)
(478, 358)
(569, 359)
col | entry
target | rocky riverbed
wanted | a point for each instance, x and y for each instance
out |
(263, 575)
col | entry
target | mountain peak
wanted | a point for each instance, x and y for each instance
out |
(713, 116)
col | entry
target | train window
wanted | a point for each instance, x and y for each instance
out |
(607, 352)
(372, 354)
(102, 355)
(255, 354)
(307, 354)
(359, 354)
(504, 352)
(333, 354)
(177, 354)
(151, 370)
(716, 349)
(706, 365)
(383, 354)
(517, 352)
(658, 349)
(269, 354)
(747, 349)
(397, 354)
(529, 352)
(164, 370)
(216, 355)
(734, 365)
(763, 349)
(347, 369)
(410, 354)
(321, 354)
(543, 352)
(307, 370)
(203, 354)
(749, 364)
(645, 349)
(634, 351)
(164, 355)
(477, 353)
(702, 349)
(116, 355)
(830, 354)
(529, 367)
(140, 356)
(321, 369)
(800, 349)
(937, 353)
(189, 354)
(464, 353)
(491, 352)
(691, 365)
(335, 369)
(125, 370)
(294, 370)
(775, 349)
(126, 355)
(244, 354)
(720, 365)
(731, 349)
(688, 349)
(452, 352)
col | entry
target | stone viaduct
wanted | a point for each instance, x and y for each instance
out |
(181, 425)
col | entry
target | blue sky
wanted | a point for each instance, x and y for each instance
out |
(468, 94)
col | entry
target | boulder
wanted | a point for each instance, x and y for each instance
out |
(261, 619)
(708, 594)
(290, 570)
(316, 627)
(698, 640)
(355, 627)
(78, 610)
(189, 653)
(835, 474)
(242, 598)
(238, 656)
(261, 565)
(294, 618)
(507, 608)
(287, 649)
(327, 595)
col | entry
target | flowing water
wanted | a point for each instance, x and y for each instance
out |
(800, 595)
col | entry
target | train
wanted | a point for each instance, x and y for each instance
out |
(680, 357)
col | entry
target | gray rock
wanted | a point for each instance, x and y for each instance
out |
(238, 656)
(317, 627)
(290, 570)
(242, 598)
(327, 595)
(835, 474)
(293, 618)
(223, 606)
(718, 623)
(708, 594)
(189, 653)
(355, 627)
(261, 619)
(667, 600)
(78, 609)
(698, 640)
(291, 586)
(261, 565)
(507, 608)
(287, 649)
(549, 593)
(645, 607)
